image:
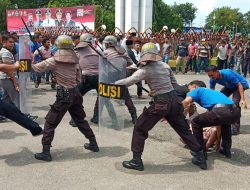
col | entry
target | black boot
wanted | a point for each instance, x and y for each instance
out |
(45, 155)
(235, 130)
(92, 145)
(72, 123)
(226, 152)
(199, 159)
(37, 132)
(136, 163)
(134, 117)
(95, 119)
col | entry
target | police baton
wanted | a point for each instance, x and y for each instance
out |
(84, 27)
(37, 48)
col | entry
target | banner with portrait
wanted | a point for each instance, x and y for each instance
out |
(49, 18)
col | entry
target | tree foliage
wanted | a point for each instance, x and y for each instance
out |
(187, 12)
(4, 4)
(225, 18)
(163, 15)
(246, 28)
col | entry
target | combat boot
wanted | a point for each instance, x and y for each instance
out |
(235, 131)
(136, 163)
(72, 123)
(45, 155)
(95, 119)
(134, 117)
(226, 152)
(199, 159)
(92, 145)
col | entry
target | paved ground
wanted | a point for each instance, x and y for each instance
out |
(167, 163)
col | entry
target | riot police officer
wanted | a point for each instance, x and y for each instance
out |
(117, 56)
(166, 105)
(88, 62)
(65, 65)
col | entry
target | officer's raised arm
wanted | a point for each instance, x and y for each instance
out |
(45, 65)
(136, 77)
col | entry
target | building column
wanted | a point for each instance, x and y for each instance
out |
(120, 14)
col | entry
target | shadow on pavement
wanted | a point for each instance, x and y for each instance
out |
(38, 108)
(6, 134)
(26, 157)
(239, 157)
(245, 129)
(184, 165)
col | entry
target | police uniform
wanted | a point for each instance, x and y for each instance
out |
(88, 62)
(59, 23)
(230, 80)
(65, 66)
(48, 22)
(221, 111)
(117, 57)
(166, 104)
(38, 23)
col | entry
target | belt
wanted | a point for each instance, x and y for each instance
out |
(224, 106)
(70, 90)
(165, 95)
(73, 90)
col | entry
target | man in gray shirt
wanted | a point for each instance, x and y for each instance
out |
(166, 105)
(10, 88)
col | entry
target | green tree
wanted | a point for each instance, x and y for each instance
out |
(4, 5)
(187, 11)
(225, 18)
(246, 28)
(105, 14)
(163, 15)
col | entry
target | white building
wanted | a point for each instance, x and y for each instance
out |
(133, 13)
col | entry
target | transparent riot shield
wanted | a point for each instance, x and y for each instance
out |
(25, 90)
(111, 96)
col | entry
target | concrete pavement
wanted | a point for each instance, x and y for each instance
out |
(167, 164)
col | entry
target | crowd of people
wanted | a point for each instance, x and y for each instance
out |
(71, 64)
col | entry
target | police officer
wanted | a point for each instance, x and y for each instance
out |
(88, 62)
(12, 112)
(58, 21)
(38, 22)
(116, 56)
(65, 65)
(234, 84)
(166, 104)
(221, 112)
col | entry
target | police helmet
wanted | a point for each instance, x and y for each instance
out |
(149, 48)
(86, 38)
(112, 40)
(64, 42)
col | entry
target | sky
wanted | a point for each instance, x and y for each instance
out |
(206, 6)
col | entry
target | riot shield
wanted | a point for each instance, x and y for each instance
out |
(111, 97)
(25, 90)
